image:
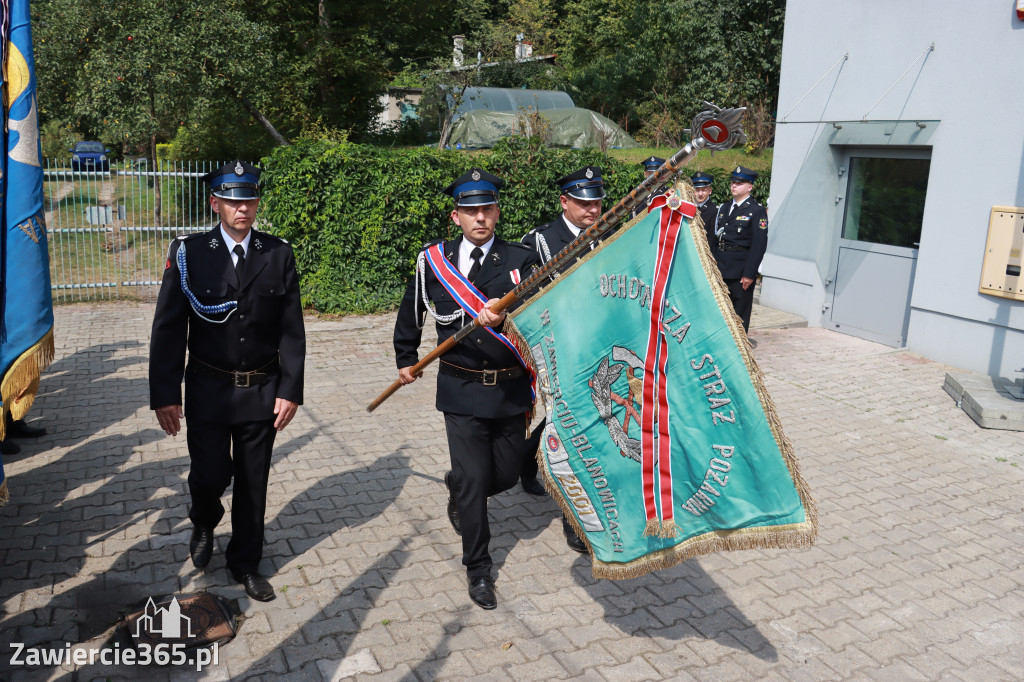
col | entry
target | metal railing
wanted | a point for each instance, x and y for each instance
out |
(109, 232)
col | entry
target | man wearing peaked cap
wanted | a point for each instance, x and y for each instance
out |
(483, 388)
(236, 180)
(581, 195)
(651, 165)
(585, 184)
(475, 187)
(741, 234)
(230, 298)
(702, 188)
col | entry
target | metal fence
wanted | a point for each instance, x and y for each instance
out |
(109, 231)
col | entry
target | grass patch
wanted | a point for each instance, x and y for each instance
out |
(705, 160)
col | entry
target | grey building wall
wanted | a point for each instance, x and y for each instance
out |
(963, 101)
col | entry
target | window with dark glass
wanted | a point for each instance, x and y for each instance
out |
(885, 200)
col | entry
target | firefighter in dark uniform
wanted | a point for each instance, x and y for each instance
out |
(741, 233)
(482, 388)
(231, 297)
(651, 165)
(708, 211)
(582, 192)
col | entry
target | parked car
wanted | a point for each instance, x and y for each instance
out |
(89, 156)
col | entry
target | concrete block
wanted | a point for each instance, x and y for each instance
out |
(991, 402)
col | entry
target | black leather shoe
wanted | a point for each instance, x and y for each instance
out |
(201, 546)
(453, 511)
(533, 486)
(19, 428)
(481, 591)
(9, 448)
(256, 586)
(576, 543)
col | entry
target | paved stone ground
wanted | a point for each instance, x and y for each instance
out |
(917, 574)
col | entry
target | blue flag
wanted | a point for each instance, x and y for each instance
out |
(26, 338)
(661, 441)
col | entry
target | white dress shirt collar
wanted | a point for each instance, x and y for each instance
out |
(466, 253)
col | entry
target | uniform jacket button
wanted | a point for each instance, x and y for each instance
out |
(241, 340)
(241, 316)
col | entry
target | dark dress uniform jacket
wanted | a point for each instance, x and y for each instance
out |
(745, 234)
(642, 206)
(478, 351)
(266, 326)
(556, 234)
(708, 213)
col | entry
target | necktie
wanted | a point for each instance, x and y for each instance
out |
(475, 268)
(240, 263)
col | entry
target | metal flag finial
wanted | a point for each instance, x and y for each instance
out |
(718, 129)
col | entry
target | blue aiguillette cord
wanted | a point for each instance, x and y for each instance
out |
(226, 307)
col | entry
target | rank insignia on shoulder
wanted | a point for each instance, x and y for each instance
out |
(214, 243)
(258, 244)
(763, 224)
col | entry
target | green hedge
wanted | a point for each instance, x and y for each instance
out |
(357, 215)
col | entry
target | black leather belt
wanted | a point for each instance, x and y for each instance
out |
(487, 377)
(732, 247)
(256, 377)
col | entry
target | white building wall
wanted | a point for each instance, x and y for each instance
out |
(969, 94)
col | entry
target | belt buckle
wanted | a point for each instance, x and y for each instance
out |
(494, 377)
(238, 379)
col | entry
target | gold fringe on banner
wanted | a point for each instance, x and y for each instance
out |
(792, 536)
(513, 334)
(20, 383)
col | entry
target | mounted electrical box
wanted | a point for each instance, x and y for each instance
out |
(1000, 273)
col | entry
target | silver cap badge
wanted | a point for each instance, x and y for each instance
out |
(476, 175)
(590, 173)
(238, 168)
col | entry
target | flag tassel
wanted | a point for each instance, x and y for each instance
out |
(21, 382)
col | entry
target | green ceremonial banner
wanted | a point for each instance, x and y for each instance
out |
(714, 471)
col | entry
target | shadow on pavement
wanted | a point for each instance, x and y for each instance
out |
(344, 616)
(682, 602)
(517, 516)
(82, 378)
(345, 500)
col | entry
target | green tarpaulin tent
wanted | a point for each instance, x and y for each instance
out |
(568, 128)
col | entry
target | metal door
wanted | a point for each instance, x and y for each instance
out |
(876, 255)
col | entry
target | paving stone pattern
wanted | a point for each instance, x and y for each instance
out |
(917, 573)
